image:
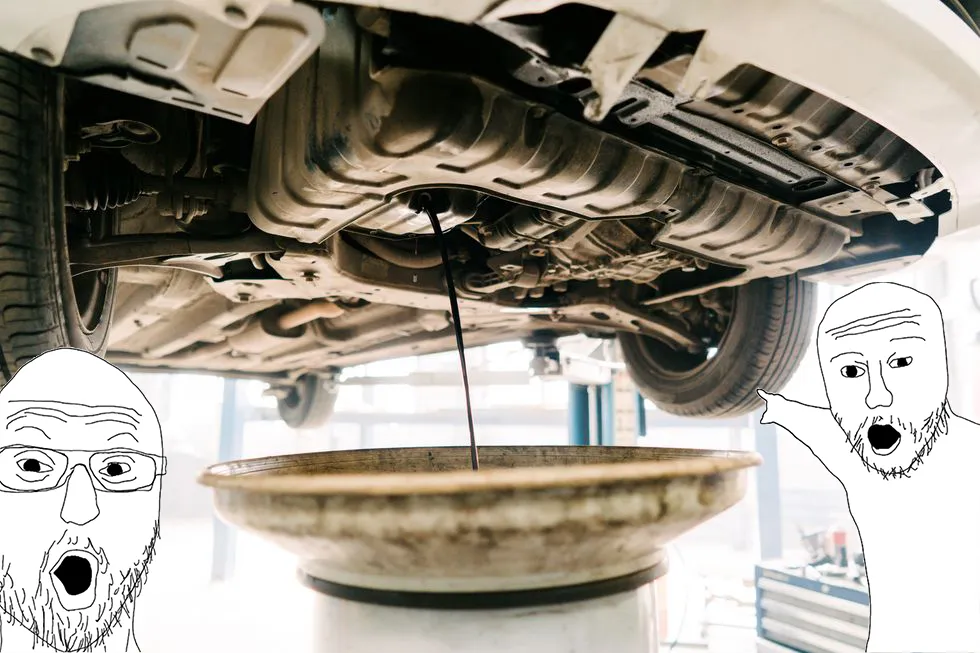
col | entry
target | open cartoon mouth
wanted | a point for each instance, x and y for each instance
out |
(883, 438)
(74, 579)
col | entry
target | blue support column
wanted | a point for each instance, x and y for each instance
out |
(578, 414)
(641, 416)
(607, 415)
(229, 448)
(767, 490)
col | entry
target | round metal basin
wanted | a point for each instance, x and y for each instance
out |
(420, 520)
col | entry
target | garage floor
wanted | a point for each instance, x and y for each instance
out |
(264, 608)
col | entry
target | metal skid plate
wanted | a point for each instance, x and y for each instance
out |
(340, 141)
(183, 55)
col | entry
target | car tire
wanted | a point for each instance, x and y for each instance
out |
(766, 338)
(41, 306)
(309, 403)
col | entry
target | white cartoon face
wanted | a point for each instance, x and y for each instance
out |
(883, 357)
(80, 484)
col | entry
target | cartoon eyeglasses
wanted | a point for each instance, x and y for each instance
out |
(35, 469)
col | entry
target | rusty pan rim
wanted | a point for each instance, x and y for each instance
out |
(246, 475)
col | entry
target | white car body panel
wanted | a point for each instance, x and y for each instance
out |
(48, 24)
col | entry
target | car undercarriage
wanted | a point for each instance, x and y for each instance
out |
(583, 184)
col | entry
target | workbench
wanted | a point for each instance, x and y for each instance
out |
(795, 612)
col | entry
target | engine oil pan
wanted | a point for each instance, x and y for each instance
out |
(408, 519)
(411, 547)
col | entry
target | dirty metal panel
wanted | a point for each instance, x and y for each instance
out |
(337, 144)
(886, 245)
(813, 128)
(653, 116)
(749, 231)
(173, 53)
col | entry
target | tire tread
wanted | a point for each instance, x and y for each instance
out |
(31, 319)
(765, 361)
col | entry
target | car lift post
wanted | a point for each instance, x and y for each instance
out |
(579, 412)
(641, 416)
(607, 415)
(591, 414)
(229, 448)
(767, 490)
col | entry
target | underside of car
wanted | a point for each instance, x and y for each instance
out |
(284, 241)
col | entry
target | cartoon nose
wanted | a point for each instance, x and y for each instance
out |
(81, 505)
(878, 394)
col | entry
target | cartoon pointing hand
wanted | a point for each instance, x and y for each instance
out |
(815, 427)
(772, 409)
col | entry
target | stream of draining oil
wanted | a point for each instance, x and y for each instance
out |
(425, 205)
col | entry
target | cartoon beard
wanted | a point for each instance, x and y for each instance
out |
(43, 614)
(914, 442)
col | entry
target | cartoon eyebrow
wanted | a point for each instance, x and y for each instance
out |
(117, 435)
(908, 338)
(124, 422)
(855, 353)
(22, 428)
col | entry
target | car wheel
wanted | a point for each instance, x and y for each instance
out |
(309, 403)
(765, 338)
(42, 306)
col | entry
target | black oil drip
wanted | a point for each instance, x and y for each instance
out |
(425, 204)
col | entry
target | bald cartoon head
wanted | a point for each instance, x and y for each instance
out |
(882, 352)
(81, 457)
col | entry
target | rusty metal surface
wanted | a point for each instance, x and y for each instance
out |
(418, 519)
